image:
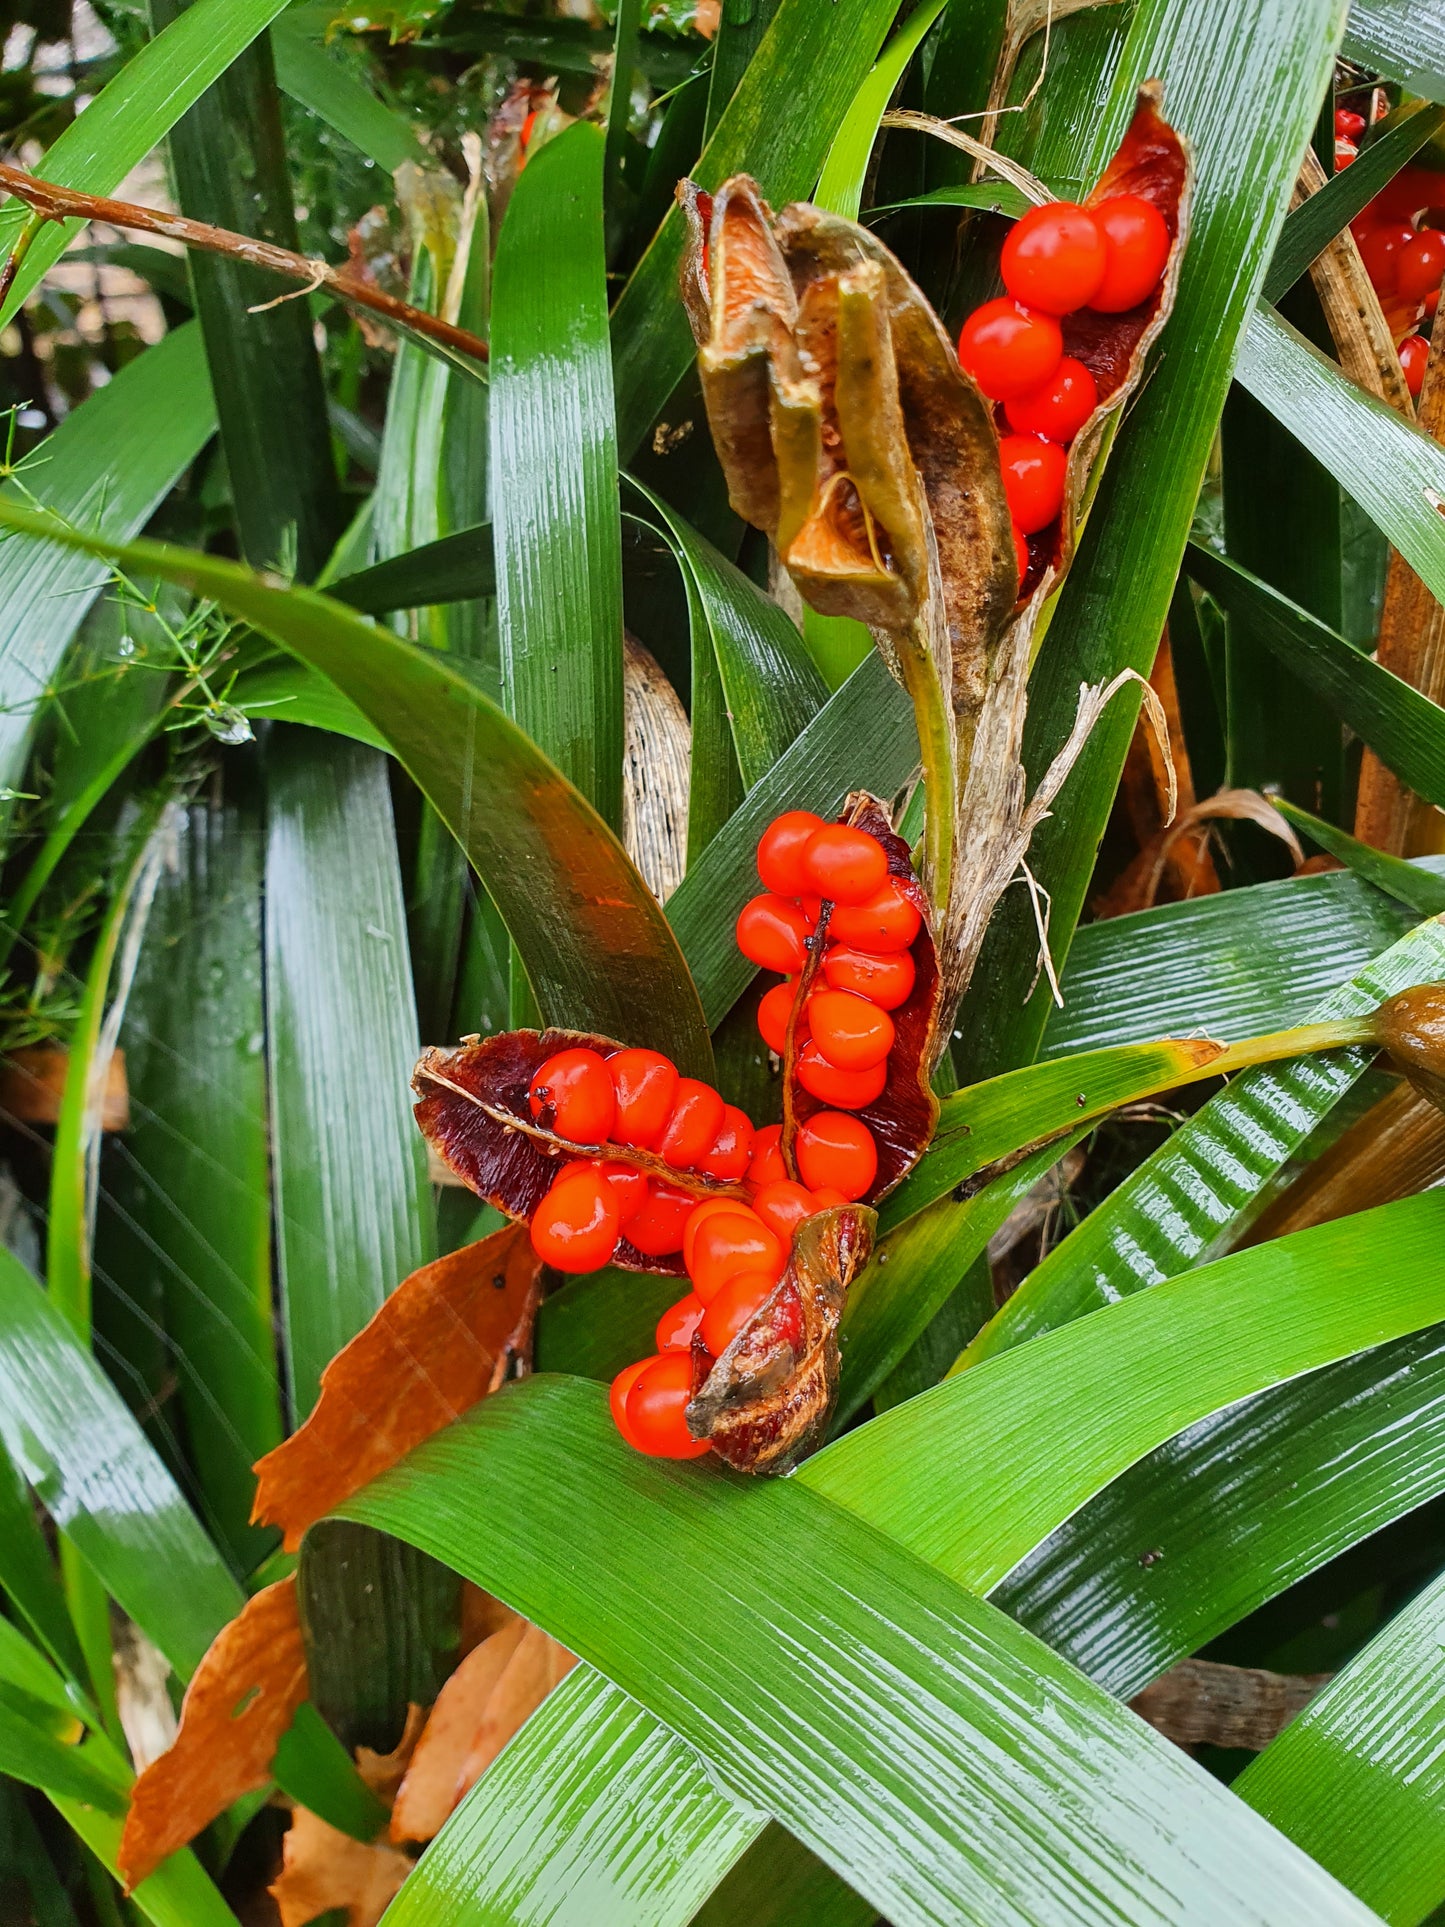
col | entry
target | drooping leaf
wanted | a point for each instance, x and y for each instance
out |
(1408, 883)
(587, 925)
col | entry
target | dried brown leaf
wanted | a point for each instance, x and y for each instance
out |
(535, 1667)
(443, 1340)
(242, 1699)
(323, 1869)
(433, 1782)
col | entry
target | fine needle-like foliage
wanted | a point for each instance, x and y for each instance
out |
(722, 963)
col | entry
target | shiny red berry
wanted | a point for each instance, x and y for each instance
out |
(1345, 152)
(1034, 473)
(678, 1323)
(766, 1165)
(729, 1243)
(1136, 241)
(575, 1226)
(1420, 264)
(656, 1403)
(844, 864)
(617, 1398)
(1021, 556)
(886, 981)
(780, 852)
(886, 922)
(851, 1031)
(844, 1090)
(572, 1095)
(695, 1120)
(1054, 258)
(1008, 348)
(656, 1229)
(773, 1012)
(783, 1207)
(1380, 251)
(629, 1185)
(772, 932)
(732, 1149)
(698, 1217)
(736, 1304)
(1414, 353)
(837, 1153)
(1058, 407)
(646, 1083)
(1348, 124)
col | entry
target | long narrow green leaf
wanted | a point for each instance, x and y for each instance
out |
(840, 185)
(1400, 41)
(1186, 1199)
(178, 1894)
(1405, 729)
(104, 468)
(130, 115)
(28, 1576)
(875, 1707)
(1408, 883)
(1394, 472)
(1358, 1778)
(97, 1475)
(1189, 1347)
(454, 568)
(555, 519)
(863, 738)
(1232, 965)
(1243, 81)
(1234, 1510)
(777, 126)
(1316, 221)
(31, 1754)
(589, 929)
(317, 80)
(231, 169)
(771, 685)
(353, 1207)
(193, 1188)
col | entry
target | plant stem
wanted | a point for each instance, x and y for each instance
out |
(52, 203)
(936, 746)
(1275, 1044)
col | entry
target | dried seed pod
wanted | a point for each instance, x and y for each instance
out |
(472, 1106)
(766, 1403)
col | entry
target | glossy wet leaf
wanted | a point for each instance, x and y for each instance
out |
(454, 568)
(130, 115)
(1357, 1778)
(1400, 41)
(1405, 729)
(587, 925)
(902, 1691)
(840, 185)
(105, 468)
(312, 76)
(554, 440)
(1408, 883)
(1184, 1201)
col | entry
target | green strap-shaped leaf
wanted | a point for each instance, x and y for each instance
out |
(777, 126)
(333, 92)
(1187, 1198)
(863, 738)
(178, 1894)
(1230, 965)
(104, 468)
(770, 682)
(353, 1207)
(1405, 729)
(1400, 41)
(454, 568)
(30, 1753)
(555, 513)
(840, 185)
(1191, 1346)
(1408, 883)
(1238, 1507)
(588, 927)
(1243, 81)
(91, 1466)
(131, 115)
(1358, 1778)
(192, 1185)
(1388, 466)
(882, 1713)
(1315, 222)
(28, 1576)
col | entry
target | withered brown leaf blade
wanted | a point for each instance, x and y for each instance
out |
(442, 1340)
(324, 1871)
(241, 1700)
(473, 1110)
(766, 1403)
